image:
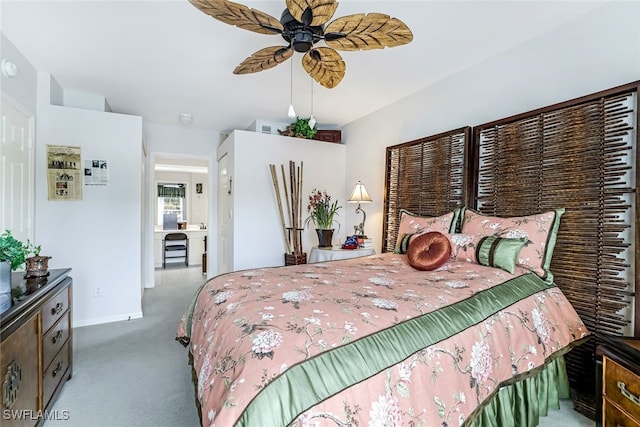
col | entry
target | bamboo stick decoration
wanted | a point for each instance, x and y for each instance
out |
(300, 175)
(286, 192)
(276, 186)
(292, 195)
(294, 203)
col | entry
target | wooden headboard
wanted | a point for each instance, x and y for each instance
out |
(579, 155)
(427, 177)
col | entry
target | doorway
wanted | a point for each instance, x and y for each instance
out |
(186, 179)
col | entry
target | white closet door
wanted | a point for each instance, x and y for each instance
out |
(16, 170)
(225, 215)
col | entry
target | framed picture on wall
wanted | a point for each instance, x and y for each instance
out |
(199, 188)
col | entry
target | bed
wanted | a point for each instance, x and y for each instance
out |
(483, 339)
(374, 341)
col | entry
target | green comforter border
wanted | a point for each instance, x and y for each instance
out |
(308, 383)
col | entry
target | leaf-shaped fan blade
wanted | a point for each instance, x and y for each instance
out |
(264, 59)
(239, 15)
(314, 12)
(365, 32)
(325, 66)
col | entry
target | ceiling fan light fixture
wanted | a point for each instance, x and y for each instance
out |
(302, 41)
(300, 36)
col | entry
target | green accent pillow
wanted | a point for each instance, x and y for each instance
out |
(402, 245)
(494, 251)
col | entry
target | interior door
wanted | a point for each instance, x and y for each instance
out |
(16, 170)
(225, 215)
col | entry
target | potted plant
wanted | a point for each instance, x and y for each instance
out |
(300, 129)
(321, 212)
(13, 255)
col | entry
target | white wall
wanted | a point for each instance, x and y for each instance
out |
(257, 232)
(596, 51)
(23, 88)
(99, 237)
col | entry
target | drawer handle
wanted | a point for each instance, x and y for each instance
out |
(626, 393)
(57, 309)
(57, 336)
(57, 370)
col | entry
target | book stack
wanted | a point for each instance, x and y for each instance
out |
(365, 243)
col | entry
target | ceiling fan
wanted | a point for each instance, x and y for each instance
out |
(303, 24)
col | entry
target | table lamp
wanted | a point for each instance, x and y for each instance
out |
(360, 195)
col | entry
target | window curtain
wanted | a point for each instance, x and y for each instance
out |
(171, 191)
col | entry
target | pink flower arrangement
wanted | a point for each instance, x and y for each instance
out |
(321, 209)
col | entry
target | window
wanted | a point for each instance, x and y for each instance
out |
(171, 200)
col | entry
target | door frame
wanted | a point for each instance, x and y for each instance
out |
(150, 217)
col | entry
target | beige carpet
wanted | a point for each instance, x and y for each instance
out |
(134, 374)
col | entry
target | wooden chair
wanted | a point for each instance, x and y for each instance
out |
(174, 246)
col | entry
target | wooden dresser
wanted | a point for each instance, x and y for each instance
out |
(620, 382)
(36, 349)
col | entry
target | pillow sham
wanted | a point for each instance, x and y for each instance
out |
(429, 251)
(539, 230)
(412, 224)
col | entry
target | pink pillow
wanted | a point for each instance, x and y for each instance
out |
(411, 224)
(429, 251)
(540, 231)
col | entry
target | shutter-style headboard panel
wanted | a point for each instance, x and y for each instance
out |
(581, 156)
(426, 176)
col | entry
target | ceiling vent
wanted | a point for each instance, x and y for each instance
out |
(262, 126)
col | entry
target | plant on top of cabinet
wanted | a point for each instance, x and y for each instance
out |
(300, 129)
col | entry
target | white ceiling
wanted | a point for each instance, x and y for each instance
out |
(158, 58)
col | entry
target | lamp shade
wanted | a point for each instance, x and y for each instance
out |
(359, 194)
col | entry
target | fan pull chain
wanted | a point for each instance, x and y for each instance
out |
(312, 120)
(292, 113)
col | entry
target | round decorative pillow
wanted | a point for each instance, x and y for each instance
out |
(429, 251)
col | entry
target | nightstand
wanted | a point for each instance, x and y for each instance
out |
(330, 254)
(619, 382)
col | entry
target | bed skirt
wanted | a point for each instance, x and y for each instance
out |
(519, 404)
(525, 401)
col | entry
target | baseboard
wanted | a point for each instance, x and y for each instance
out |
(110, 319)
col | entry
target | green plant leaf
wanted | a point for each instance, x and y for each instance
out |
(14, 251)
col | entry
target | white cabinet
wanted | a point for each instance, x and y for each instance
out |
(250, 231)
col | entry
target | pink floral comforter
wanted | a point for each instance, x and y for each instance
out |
(368, 341)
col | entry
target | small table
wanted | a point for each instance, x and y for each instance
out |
(330, 254)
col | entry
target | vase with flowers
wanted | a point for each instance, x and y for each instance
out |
(322, 211)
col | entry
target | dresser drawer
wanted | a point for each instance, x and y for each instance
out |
(613, 417)
(622, 387)
(19, 374)
(54, 309)
(55, 374)
(54, 340)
